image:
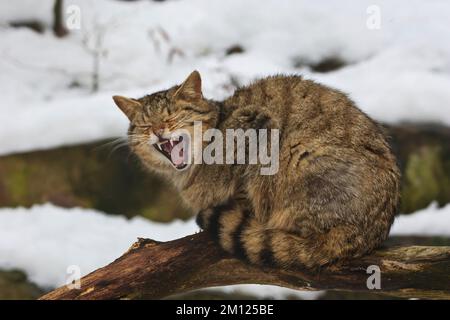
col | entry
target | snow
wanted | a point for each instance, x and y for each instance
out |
(268, 292)
(45, 240)
(432, 221)
(400, 72)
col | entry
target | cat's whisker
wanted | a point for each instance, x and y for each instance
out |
(111, 143)
(117, 147)
(121, 142)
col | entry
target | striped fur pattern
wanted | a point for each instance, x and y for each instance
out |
(335, 194)
(239, 233)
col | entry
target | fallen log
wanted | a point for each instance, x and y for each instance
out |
(155, 270)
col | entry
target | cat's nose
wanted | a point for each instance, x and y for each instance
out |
(162, 133)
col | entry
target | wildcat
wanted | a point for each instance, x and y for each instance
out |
(335, 194)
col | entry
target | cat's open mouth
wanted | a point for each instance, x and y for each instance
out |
(174, 153)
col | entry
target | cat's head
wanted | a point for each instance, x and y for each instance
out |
(158, 121)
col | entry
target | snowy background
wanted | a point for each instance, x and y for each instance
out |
(396, 71)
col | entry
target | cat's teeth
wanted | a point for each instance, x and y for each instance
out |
(171, 142)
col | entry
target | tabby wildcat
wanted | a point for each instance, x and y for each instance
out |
(336, 191)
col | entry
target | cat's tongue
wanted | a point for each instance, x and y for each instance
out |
(176, 154)
(177, 159)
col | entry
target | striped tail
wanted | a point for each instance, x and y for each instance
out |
(238, 232)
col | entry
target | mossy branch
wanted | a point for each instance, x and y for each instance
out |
(155, 270)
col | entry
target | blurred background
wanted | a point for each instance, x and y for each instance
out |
(72, 197)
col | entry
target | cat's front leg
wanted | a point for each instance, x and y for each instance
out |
(202, 218)
(225, 223)
(206, 217)
(235, 229)
(238, 202)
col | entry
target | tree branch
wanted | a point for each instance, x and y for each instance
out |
(154, 270)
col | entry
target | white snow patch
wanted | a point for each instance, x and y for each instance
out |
(269, 292)
(44, 240)
(432, 221)
(400, 72)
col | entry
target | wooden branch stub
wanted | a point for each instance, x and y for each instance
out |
(154, 270)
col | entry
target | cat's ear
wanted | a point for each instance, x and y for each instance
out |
(128, 106)
(191, 89)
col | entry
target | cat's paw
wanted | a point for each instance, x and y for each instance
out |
(202, 218)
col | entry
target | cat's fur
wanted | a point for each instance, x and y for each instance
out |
(337, 188)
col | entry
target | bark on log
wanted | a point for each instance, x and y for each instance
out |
(154, 270)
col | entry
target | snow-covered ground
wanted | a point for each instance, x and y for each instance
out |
(432, 221)
(400, 71)
(45, 240)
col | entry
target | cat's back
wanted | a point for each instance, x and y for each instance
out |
(307, 112)
(291, 94)
(269, 91)
(296, 103)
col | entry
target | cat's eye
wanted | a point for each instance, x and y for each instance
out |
(143, 126)
(189, 108)
(196, 110)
